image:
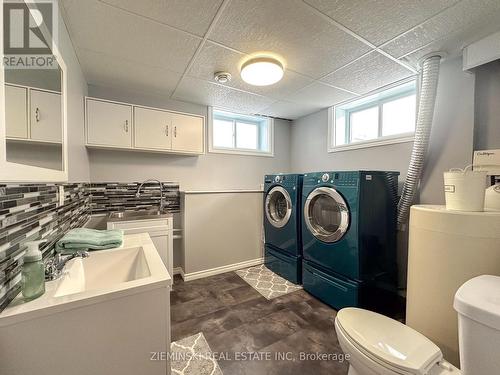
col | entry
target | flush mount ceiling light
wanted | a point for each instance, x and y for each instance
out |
(222, 77)
(262, 71)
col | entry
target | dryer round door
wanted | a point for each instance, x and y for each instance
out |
(278, 207)
(326, 214)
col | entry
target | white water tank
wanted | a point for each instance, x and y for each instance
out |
(446, 249)
(478, 305)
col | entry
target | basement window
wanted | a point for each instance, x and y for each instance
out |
(233, 133)
(385, 117)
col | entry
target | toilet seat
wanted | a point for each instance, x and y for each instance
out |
(386, 342)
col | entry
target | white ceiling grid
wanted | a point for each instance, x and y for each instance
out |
(334, 49)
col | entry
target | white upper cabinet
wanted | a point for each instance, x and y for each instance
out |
(109, 124)
(152, 129)
(45, 116)
(16, 111)
(188, 133)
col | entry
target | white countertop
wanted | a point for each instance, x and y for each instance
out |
(49, 303)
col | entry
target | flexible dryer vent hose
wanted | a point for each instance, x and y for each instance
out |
(429, 81)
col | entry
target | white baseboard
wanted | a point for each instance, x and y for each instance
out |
(222, 269)
(178, 271)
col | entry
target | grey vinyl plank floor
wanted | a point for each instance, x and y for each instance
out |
(236, 320)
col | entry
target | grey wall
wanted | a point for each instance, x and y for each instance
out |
(450, 146)
(487, 114)
(35, 154)
(452, 132)
(48, 79)
(308, 149)
(78, 162)
(205, 172)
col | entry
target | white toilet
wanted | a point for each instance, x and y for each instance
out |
(378, 345)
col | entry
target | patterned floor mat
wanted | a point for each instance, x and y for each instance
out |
(192, 356)
(266, 282)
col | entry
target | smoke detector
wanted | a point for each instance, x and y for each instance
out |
(222, 77)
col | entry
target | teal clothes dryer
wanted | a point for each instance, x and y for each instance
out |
(349, 236)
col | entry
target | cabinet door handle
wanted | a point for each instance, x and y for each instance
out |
(175, 131)
(37, 114)
(126, 126)
(166, 130)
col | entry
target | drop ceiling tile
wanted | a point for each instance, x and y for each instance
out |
(310, 44)
(380, 20)
(194, 16)
(467, 18)
(215, 58)
(368, 73)
(101, 69)
(101, 28)
(199, 91)
(452, 45)
(289, 110)
(319, 95)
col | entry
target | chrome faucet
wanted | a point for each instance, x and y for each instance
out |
(55, 265)
(162, 202)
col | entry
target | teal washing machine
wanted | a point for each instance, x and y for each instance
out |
(282, 208)
(349, 237)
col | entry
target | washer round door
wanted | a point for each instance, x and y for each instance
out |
(326, 214)
(278, 207)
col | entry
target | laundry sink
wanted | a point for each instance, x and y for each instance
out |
(103, 270)
(137, 215)
(113, 305)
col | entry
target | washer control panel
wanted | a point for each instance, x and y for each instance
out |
(285, 180)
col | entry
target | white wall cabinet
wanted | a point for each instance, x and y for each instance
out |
(16, 111)
(109, 124)
(152, 129)
(188, 133)
(45, 116)
(136, 128)
(33, 114)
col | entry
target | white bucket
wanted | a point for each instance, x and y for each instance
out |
(492, 198)
(464, 189)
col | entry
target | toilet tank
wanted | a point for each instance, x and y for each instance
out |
(478, 305)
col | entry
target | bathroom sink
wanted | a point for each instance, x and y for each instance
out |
(137, 215)
(103, 270)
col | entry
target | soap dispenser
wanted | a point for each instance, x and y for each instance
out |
(33, 272)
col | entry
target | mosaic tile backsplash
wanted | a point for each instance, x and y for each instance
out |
(116, 196)
(30, 212)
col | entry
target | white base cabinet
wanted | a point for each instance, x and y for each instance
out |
(160, 231)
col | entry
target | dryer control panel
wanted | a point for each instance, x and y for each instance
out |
(333, 178)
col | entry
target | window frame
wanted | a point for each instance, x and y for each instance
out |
(235, 150)
(380, 140)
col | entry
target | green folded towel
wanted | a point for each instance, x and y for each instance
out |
(89, 239)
